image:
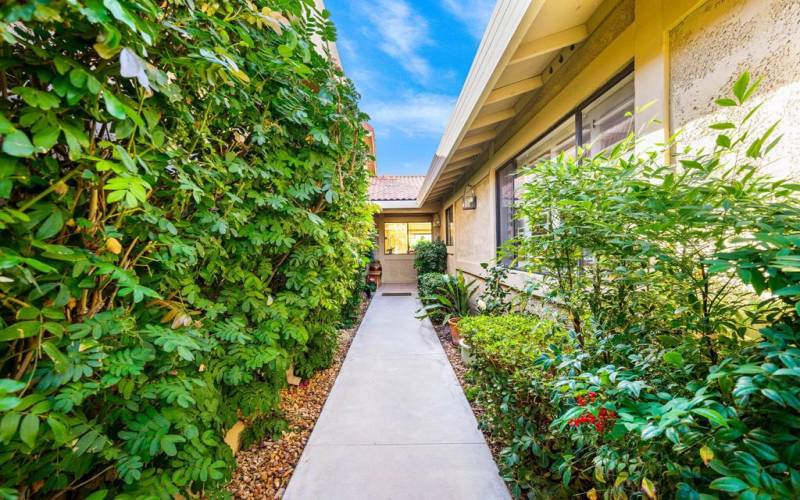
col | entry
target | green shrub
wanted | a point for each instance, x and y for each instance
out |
(514, 340)
(183, 212)
(319, 352)
(430, 282)
(427, 284)
(451, 299)
(430, 257)
(496, 298)
(680, 286)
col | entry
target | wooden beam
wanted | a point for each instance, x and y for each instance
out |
(491, 119)
(455, 174)
(515, 89)
(467, 153)
(550, 43)
(459, 164)
(473, 140)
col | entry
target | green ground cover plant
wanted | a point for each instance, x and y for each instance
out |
(679, 285)
(182, 216)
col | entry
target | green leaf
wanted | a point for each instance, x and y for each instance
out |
(740, 87)
(17, 144)
(712, 415)
(29, 429)
(98, 495)
(46, 138)
(8, 426)
(51, 226)
(60, 432)
(21, 330)
(6, 127)
(729, 484)
(674, 357)
(60, 361)
(9, 403)
(8, 385)
(725, 102)
(113, 105)
(722, 126)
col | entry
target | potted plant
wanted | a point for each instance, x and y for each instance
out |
(451, 300)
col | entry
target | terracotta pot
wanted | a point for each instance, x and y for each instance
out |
(455, 335)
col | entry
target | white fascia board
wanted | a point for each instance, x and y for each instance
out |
(507, 27)
(389, 204)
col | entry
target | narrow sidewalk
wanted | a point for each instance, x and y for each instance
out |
(396, 424)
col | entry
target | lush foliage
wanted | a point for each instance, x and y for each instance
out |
(680, 287)
(451, 299)
(430, 257)
(512, 340)
(183, 214)
(427, 284)
(496, 298)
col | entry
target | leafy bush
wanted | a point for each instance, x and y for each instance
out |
(430, 257)
(682, 381)
(450, 300)
(183, 214)
(496, 298)
(427, 284)
(430, 282)
(513, 340)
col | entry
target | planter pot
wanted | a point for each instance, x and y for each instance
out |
(455, 335)
(466, 352)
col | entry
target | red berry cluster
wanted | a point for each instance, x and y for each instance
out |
(602, 422)
(583, 400)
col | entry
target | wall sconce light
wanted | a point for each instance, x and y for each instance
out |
(469, 201)
(436, 221)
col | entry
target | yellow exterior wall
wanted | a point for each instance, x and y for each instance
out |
(712, 46)
(651, 42)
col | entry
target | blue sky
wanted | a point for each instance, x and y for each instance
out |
(408, 60)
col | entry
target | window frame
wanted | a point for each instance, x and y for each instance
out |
(449, 226)
(576, 115)
(408, 241)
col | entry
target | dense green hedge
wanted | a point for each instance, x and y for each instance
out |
(430, 257)
(680, 287)
(512, 340)
(182, 214)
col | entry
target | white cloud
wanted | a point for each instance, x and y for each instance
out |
(473, 14)
(413, 114)
(401, 33)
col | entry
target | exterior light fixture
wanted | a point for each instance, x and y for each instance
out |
(436, 221)
(469, 201)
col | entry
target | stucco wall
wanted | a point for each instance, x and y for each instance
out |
(475, 237)
(712, 46)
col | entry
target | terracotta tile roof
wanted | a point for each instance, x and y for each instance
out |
(395, 187)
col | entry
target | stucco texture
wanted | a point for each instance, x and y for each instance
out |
(715, 44)
(474, 234)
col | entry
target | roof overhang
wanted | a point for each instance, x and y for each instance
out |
(517, 51)
(394, 204)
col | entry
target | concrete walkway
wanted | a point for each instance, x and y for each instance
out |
(396, 424)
